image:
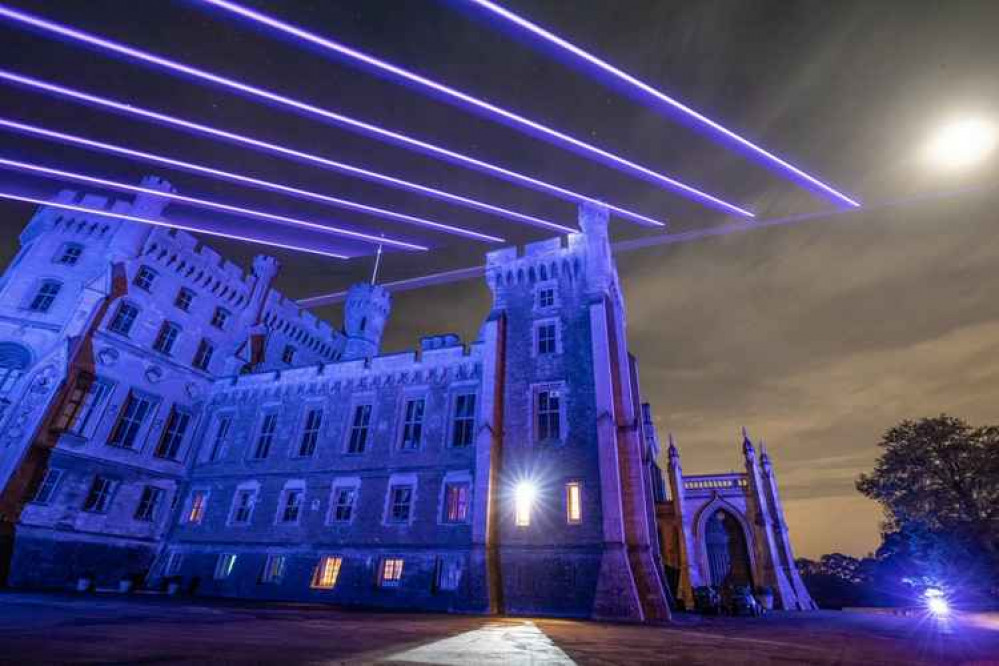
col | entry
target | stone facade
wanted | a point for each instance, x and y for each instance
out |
(166, 418)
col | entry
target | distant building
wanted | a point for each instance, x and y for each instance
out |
(166, 417)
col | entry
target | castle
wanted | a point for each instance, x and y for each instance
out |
(167, 419)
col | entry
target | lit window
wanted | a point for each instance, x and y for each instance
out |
(391, 571)
(288, 355)
(412, 425)
(224, 565)
(220, 318)
(273, 569)
(463, 428)
(343, 504)
(199, 503)
(448, 573)
(45, 490)
(130, 421)
(184, 299)
(573, 503)
(266, 437)
(327, 571)
(456, 502)
(310, 433)
(359, 429)
(144, 278)
(123, 319)
(203, 356)
(549, 415)
(291, 505)
(524, 502)
(166, 338)
(547, 338)
(45, 296)
(150, 501)
(173, 434)
(221, 437)
(99, 496)
(173, 563)
(70, 254)
(400, 504)
(242, 506)
(83, 403)
(546, 297)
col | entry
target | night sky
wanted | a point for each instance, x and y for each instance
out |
(816, 336)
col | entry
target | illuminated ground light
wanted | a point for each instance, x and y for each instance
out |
(341, 120)
(936, 602)
(273, 148)
(499, 644)
(242, 179)
(490, 110)
(962, 143)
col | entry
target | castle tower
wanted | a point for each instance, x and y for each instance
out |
(364, 317)
(131, 236)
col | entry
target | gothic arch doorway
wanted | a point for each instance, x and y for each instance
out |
(728, 555)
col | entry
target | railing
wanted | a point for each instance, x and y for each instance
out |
(727, 482)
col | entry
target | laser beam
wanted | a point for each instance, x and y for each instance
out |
(663, 100)
(162, 223)
(102, 182)
(489, 110)
(243, 179)
(347, 122)
(284, 151)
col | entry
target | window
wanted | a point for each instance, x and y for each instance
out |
(343, 504)
(573, 503)
(310, 433)
(463, 428)
(99, 496)
(144, 278)
(174, 561)
(266, 437)
(133, 416)
(273, 569)
(456, 502)
(359, 429)
(224, 565)
(546, 297)
(288, 355)
(400, 504)
(391, 573)
(123, 319)
(203, 356)
(327, 571)
(242, 506)
(199, 503)
(291, 505)
(412, 425)
(221, 436)
(448, 573)
(549, 415)
(149, 502)
(166, 338)
(70, 254)
(46, 489)
(184, 299)
(173, 434)
(45, 296)
(547, 336)
(220, 318)
(83, 404)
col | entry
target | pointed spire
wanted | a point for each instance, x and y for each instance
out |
(672, 450)
(764, 458)
(747, 444)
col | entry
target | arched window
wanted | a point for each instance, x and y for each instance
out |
(45, 296)
(14, 361)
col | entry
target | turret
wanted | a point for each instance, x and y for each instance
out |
(131, 236)
(365, 315)
(593, 220)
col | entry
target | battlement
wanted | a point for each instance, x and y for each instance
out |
(733, 483)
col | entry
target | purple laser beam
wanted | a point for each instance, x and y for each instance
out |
(378, 240)
(325, 114)
(162, 223)
(490, 110)
(666, 101)
(284, 151)
(34, 130)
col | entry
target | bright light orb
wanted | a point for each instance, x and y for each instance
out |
(962, 143)
(938, 606)
(523, 497)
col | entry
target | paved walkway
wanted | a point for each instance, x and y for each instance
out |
(65, 629)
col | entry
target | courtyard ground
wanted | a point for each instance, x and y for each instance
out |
(66, 629)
